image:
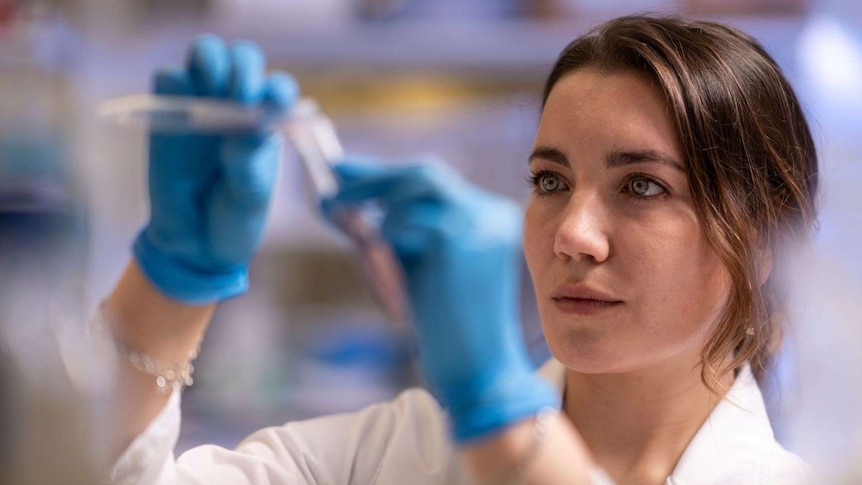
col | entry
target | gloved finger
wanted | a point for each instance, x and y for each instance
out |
(342, 170)
(281, 90)
(249, 167)
(411, 228)
(247, 73)
(358, 168)
(172, 81)
(208, 64)
(394, 185)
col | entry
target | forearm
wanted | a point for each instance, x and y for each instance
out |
(561, 458)
(145, 320)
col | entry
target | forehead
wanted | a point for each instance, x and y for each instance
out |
(591, 110)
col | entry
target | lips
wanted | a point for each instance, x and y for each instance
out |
(583, 292)
(581, 299)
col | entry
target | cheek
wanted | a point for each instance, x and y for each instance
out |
(538, 239)
(682, 279)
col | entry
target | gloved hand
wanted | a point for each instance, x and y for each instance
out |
(460, 247)
(209, 194)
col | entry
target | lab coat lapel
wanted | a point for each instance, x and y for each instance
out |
(728, 448)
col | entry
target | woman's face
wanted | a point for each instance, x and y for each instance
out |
(623, 273)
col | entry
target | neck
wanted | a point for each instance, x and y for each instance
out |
(638, 424)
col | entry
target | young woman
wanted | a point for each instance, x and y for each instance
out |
(671, 170)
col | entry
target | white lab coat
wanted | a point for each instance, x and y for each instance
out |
(406, 441)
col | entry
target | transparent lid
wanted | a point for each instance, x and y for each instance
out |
(187, 114)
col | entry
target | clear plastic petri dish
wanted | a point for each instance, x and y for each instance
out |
(188, 114)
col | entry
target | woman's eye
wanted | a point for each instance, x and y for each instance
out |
(644, 187)
(546, 182)
(549, 183)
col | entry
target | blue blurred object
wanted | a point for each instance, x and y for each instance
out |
(209, 195)
(348, 365)
(42, 225)
(460, 248)
(373, 348)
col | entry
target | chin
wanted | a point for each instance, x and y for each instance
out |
(587, 351)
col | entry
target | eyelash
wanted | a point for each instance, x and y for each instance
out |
(535, 178)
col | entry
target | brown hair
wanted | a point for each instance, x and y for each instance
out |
(752, 166)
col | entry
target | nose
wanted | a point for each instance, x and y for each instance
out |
(582, 234)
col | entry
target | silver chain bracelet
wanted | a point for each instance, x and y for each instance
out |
(168, 376)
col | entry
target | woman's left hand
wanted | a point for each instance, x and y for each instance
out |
(460, 247)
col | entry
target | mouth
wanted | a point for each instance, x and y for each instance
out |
(583, 301)
(584, 306)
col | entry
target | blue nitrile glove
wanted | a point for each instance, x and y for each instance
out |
(460, 247)
(209, 194)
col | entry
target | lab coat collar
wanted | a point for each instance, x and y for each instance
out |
(726, 445)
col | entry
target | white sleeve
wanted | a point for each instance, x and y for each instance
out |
(149, 459)
(379, 444)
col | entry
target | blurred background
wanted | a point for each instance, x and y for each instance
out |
(460, 80)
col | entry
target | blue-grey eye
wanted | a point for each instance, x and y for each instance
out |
(549, 182)
(645, 187)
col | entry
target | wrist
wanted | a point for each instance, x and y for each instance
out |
(143, 318)
(168, 376)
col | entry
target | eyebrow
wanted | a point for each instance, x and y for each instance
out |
(616, 158)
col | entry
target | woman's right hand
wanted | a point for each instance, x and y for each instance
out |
(209, 194)
(460, 247)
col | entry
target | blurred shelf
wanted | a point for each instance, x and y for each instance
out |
(524, 46)
(497, 45)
